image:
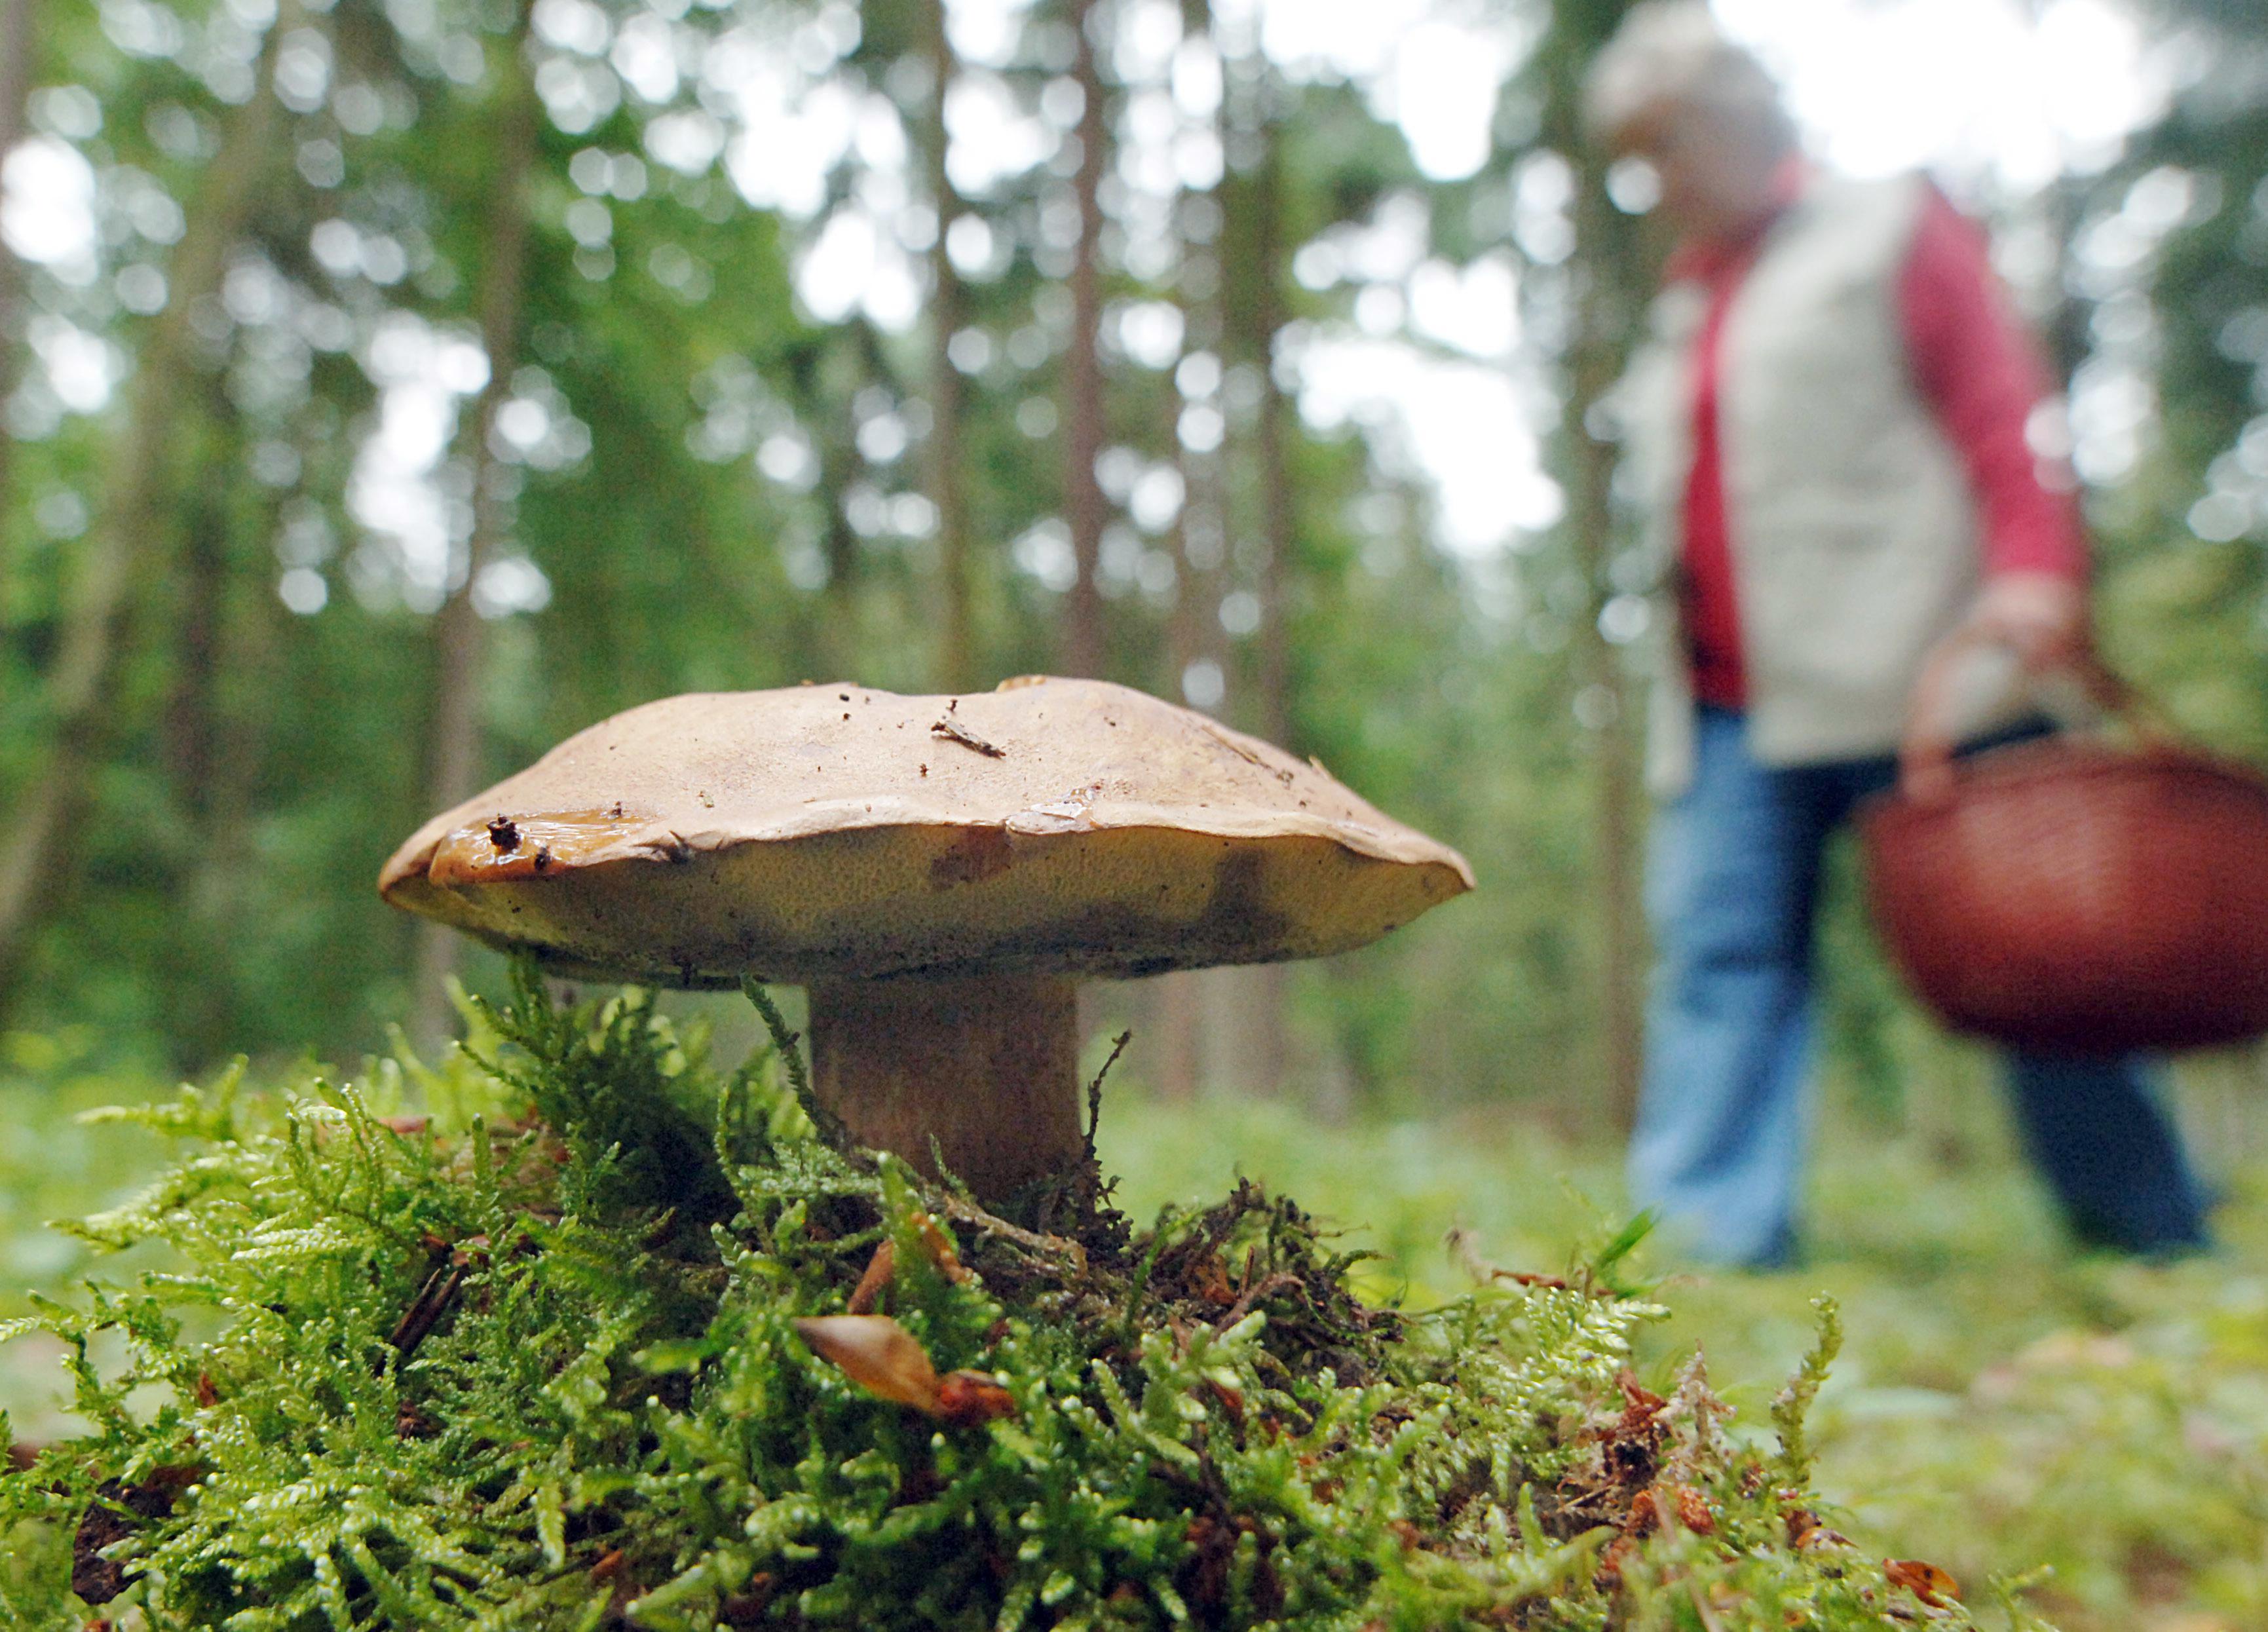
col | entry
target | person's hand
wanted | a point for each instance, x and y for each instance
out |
(2040, 616)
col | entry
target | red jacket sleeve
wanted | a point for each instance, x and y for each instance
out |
(1981, 375)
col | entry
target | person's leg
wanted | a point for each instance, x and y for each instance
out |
(1721, 1122)
(2095, 1129)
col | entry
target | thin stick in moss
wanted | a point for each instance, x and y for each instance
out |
(1094, 1091)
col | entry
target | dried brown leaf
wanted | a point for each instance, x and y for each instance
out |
(877, 1353)
(1927, 1581)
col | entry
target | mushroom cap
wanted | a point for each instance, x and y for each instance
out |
(833, 831)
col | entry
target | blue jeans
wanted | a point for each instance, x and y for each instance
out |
(1733, 882)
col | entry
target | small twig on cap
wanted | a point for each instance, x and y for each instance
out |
(1095, 1091)
(953, 731)
(1233, 746)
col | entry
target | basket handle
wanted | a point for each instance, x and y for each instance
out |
(1925, 750)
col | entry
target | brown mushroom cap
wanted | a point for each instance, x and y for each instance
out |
(1067, 826)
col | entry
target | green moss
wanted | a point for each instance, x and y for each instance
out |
(529, 1359)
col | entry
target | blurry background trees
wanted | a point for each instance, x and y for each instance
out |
(394, 389)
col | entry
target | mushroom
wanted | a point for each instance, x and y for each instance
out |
(938, 871)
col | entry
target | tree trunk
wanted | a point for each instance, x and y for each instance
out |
(1269, 1042)
(1194, 634)
(216, 901)
(1248, 1021)
(1173, 1049)
(1278, 500)
(956, 654)
(1607, 280)
(1609, 305)
(221, 614)
(1083, 410)
(198, 600)
(455, 726)
(1597, 363)
(82, 687)
(841, 361)
(15, 85)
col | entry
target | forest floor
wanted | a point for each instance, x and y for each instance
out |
(2002, 1402)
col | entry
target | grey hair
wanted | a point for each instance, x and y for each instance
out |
(1673, 53)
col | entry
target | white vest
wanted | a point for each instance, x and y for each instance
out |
(1854, 537)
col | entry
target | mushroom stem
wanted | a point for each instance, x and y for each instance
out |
(985, 1066)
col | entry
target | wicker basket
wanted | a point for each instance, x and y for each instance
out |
(2071, 896)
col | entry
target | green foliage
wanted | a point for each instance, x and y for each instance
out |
(726, 522)
(1793, 1403)
(529, 1359)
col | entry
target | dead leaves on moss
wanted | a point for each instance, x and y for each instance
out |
(118, 1510)
(881, 1269)
(888, 1362)
(1927, 1581)
(1204, 1577)
(1257, 1252)
(449, 1266)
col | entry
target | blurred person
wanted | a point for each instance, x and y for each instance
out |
(1825, 430)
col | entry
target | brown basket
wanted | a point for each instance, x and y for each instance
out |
(2071, 896)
